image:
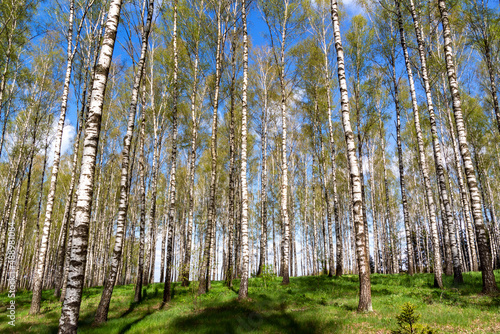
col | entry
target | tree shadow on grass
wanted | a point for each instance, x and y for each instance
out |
(123, 321)
(248, 316)
(127, 327)
(334, 287)
(33, 325)
(130, 309)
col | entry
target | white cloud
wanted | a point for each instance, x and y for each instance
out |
(68, 137)
(353, 7)
(366, 165)
(67, 140)
(394, 166)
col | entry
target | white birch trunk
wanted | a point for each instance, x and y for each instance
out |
(173, 162)
(142, 206)
(243, 292)
(42, 256)
(192, 162)
(102, 310)
(429, 199)
(205, 261)
(489, 285)
(365, 304)
(450, 222)
(71, 305)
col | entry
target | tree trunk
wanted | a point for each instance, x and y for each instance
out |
(495, 229)
(205, 265)
(62, 249)
(445, 239)
(431, 207)
(71, 305)
(449, 220)
(493, 85)
(323, 171)
(142, 200)
(164, 237)
(66, 218)
(463, 194)
(489, 285)
(365, 304)
(263, 190)
(14, 173)
(402, 184)
(213, 249)
(305, 225)
(102, 310)
(42, 256)
(338, 227)
(389, 221)
(151, 254)
(232, 169)
(243, 292)
(362, 178)
(374, 212)
(8, 243)
(20, 250)
(192, 163)
(315, 229)
(284, 163)
(173, 162)
(22, 232)
(274, 247)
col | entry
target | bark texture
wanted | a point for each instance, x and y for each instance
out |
(429, 199)
(42, 255)
(482, 235)
(243, 292)
(103, 308)
(450, 221)
(365, 303)
(73, 297)
(205, 261)
(173, 162)
(142, 204)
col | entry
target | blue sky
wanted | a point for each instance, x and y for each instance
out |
(257, 29)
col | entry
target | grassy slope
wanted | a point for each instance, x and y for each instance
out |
(314, 304)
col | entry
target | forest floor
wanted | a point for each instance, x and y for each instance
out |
(312, 304)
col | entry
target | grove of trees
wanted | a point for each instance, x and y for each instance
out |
(199, 140)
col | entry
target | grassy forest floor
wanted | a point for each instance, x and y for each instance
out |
(313, 304)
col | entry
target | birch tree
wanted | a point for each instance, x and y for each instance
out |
(192, 155)
(265, 75)
(142, 199)
(283, 20)
(173, 163)
(448, 215)
(365, 303)
(429, 199)
(71, 306)
(42, 256)
(205, 265)
(243, 292)
(102, 310)
(482, 235)
(232, 155)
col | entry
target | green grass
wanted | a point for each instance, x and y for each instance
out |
(314, 304)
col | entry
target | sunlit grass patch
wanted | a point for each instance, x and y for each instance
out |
(314, 304)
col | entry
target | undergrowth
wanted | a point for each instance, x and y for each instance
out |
(312, 304)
